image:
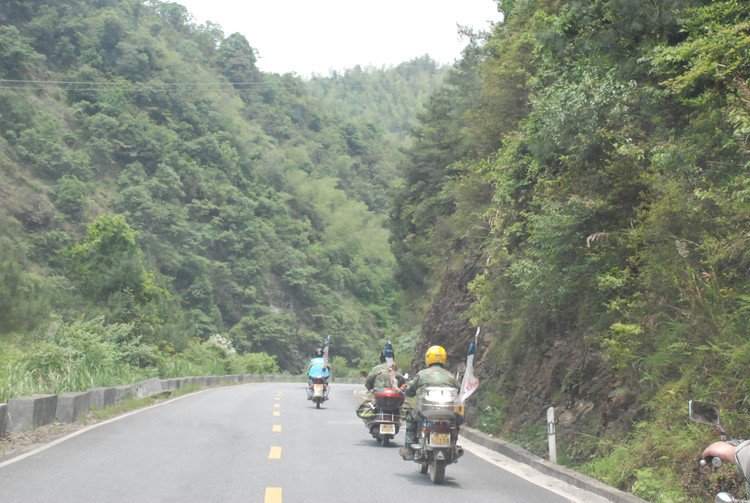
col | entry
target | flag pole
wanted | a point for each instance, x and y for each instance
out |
(389, 361)
(470, 383)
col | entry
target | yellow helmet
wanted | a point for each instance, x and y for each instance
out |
(436, 354)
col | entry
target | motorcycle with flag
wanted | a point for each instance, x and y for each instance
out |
(440, 410)
(382, 408)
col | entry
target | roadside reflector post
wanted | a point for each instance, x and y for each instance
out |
(551, 434)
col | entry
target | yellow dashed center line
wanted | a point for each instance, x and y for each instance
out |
(273, 495)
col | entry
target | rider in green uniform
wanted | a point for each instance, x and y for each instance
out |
(434, 375)
(378, 378)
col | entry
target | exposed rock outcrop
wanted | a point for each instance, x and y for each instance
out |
(446, 323)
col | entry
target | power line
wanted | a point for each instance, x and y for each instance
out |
(65, 85)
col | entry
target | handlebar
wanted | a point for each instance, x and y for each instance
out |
(713, 460)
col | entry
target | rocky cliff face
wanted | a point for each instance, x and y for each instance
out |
(446, 323)
(568, 374)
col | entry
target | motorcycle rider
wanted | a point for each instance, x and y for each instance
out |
(434, 375)
(378, 378)
(317, 367)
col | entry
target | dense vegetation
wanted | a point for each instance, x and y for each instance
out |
(165, 208)
(390, 98)
(600, 177)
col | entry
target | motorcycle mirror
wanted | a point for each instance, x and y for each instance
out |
(703, 412)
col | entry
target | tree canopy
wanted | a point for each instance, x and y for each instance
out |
(161, 180)
(583, 168)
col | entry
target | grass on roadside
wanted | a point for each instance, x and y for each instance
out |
(136, 403)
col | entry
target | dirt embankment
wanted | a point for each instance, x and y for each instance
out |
(15, 443)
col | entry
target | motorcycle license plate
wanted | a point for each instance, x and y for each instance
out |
(387, 429)
(440, 438)
(317, 390)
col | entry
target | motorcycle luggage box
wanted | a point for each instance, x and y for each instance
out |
(437, 402)
(388, 397)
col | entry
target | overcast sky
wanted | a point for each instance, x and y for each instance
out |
(306, 36)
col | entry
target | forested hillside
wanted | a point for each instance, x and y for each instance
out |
(388, 97)
(166, 206)
(576, 185)
(587, 205)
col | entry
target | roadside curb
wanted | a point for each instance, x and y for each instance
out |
(563, 473)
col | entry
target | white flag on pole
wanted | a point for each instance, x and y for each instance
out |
(470, 383)
(389, 361)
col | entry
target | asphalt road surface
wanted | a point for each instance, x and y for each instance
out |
(262, 442)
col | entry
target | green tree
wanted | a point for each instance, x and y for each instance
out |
(17, 56)
(237, 59)
(71, 196)
(108, 264)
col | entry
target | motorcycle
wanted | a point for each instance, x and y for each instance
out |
(708, 413)
(437, 439)
(384, 420)
(319, 390)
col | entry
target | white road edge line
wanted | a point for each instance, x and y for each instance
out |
(573, 493)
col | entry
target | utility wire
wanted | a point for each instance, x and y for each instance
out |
(63, 85)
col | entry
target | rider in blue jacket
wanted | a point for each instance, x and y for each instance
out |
(317, 367)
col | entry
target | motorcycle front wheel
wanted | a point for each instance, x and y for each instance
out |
(423, 468)
(437, 471)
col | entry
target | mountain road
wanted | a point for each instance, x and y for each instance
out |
(260, 442)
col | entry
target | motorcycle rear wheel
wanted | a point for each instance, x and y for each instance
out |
(437, 471)
(386, 440)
